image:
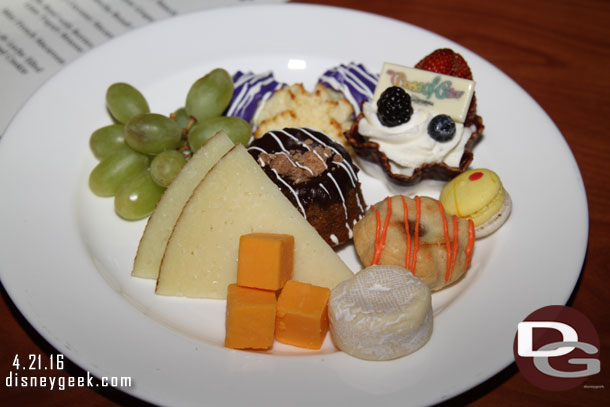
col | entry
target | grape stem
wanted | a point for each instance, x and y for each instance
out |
(185, 131)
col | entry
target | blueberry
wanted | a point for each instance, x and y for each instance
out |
(394, 107)
(441, 128)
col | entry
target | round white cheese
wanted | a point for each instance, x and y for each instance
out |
(382, 313)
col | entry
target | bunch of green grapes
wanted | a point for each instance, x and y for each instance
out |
(142, 152)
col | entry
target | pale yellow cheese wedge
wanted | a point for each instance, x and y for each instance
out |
(236, 198)
(166, 213)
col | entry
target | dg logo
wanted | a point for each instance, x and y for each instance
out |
(557, 348)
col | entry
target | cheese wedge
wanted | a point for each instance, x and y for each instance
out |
(236, 198)
(161, 223)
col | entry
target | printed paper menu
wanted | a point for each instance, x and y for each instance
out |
(39, 37)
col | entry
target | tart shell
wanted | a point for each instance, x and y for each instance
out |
(369, 151)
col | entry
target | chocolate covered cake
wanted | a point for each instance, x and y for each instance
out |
(317, 175)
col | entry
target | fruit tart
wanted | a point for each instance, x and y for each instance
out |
(411, 142)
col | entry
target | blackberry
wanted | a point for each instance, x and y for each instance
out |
(394, 107)
(441, 128)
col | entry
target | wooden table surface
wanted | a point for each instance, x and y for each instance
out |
(557, 50)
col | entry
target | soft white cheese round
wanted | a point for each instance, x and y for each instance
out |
(382, 313)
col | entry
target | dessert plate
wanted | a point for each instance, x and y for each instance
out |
(65, 257)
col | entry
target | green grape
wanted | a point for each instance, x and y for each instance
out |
(182, 118)
(107, 140)
(124, 102)
(238, 130)
(151, 133)
(113, 170)
(137, 196)
(210, 95)
(165, 166)
(184, 144)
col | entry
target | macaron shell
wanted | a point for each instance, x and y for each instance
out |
(490, 210)
(497, 220)
(477, 194)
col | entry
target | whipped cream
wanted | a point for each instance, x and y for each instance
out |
(408, 146)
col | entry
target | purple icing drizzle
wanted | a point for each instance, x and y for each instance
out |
(353, 80)
(250, 90)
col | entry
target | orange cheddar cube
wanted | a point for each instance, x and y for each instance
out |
(265, 260)
(302, 315)
(250, 318)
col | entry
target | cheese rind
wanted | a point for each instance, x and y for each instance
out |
(382, 313)
(161, 223)
(236, 198)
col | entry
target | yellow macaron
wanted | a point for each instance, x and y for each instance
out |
(479, 195)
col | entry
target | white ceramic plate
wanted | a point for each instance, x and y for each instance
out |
(65, 257)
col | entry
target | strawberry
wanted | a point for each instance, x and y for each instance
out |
(446, 62)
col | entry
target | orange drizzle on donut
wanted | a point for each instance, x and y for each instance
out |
(380, 240)
(377, 230)
(387, 221)
(381, 235)
(454, 219)
(470, 244)
(410, 261)
(447, 240)
(416, 232)
(406, 219)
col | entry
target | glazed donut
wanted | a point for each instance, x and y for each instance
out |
(439, 253)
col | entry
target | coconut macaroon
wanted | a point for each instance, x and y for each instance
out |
(478, 194)
(293, 106)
